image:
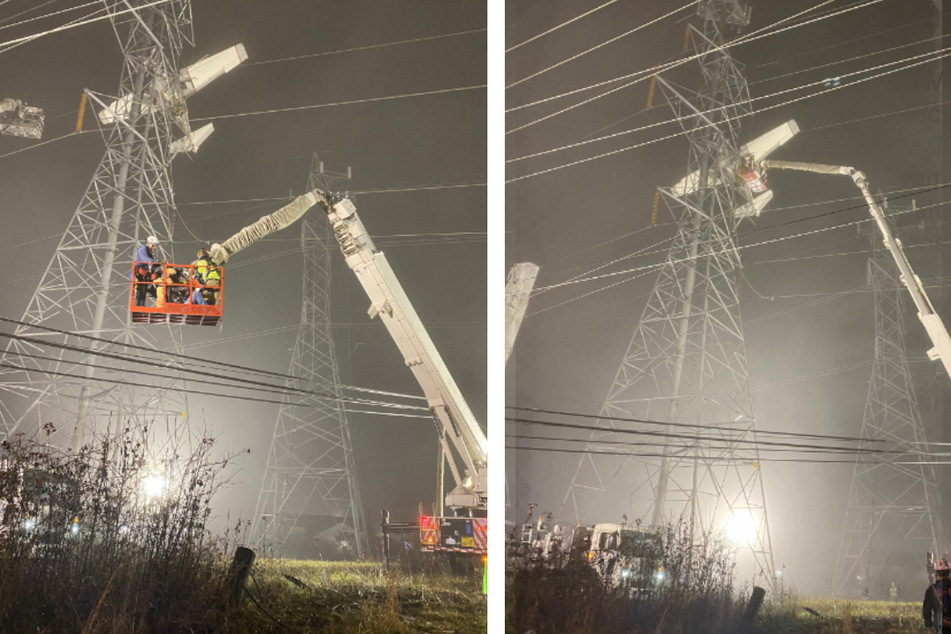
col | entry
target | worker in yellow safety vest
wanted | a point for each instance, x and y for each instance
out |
(206, 272)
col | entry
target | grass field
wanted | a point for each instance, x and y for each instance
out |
(308, 596)
(829, 615)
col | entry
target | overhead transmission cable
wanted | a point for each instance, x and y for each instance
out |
(25, 11)
(642, 75)
(279, 390)
(651, 267)
(190, 360)
(605, 43)
(937, 56)
(941, 53)
(563, 24)
(34, 36)
(676, 425)
(348, 102)
(709, 442)
(181, 389)
(727, 458)
(366, 48)
(51, 14)
(257, 385)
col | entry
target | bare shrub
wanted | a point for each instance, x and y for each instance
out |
(86, 547)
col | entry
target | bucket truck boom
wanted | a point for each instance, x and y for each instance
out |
(926, 312)
(462, 443)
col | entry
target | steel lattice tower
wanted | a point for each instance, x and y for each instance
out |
(686, 363)
(892, 517)
(85, 289)
(310, 468)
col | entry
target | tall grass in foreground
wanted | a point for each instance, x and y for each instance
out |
(108, 539)
(697, 594)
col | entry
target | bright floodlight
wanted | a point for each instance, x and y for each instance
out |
(740, 527)
(154, 486)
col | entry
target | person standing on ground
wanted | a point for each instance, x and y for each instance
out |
(936, 607)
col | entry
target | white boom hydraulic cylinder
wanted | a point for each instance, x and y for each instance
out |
(926, 312)
(518, 288)
(455, 421)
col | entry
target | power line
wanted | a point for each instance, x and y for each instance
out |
(605, 43)
(651, 267)
(726, 444)
(30, 38)
(728, 459)
(555, 28)
(184, 390)
(25, 11)
(643, 421)
(49, 15)
(774, 94)
(367, 47)
(644, 74)
(260, 386)
(944, 53)
(348, 102)
(186, 358)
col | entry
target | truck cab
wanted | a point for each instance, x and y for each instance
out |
(627, 556)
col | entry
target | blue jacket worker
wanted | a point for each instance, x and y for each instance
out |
(147, 269)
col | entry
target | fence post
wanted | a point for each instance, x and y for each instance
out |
(385, 525)
(752, 608)
(238, 574)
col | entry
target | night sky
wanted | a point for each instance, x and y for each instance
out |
(394, 144)
(808, 348)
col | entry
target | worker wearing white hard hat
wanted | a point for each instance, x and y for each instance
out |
(936, 607)
(146, 268)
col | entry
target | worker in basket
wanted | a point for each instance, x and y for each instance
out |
(936, 607)
(147, 269)
(176, 285)
(206, 273)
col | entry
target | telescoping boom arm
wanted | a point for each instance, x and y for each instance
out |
(926, 312)
(459, 433)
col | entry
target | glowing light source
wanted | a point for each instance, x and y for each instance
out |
(741, 527)
(154, 486)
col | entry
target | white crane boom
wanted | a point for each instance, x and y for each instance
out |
(926, 312)
(458, 429)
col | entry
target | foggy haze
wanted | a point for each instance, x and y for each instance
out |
(808, 321)
(433, 238)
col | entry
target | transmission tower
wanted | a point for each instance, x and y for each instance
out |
(52, 372)
(686, 363)
(892, 518)
(310, 470)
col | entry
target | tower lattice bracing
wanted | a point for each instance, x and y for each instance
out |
(310, 473)
(892, 518)
(685, 367)
(48, 375)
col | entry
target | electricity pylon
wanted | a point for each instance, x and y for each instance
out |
(685, 368)
(53, 370)
(892, 519)
(310, 469)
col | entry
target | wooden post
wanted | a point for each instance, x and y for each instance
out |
(385, 549)
(752, 608)
(238, 574)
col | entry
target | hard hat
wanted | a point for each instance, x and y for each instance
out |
(942, 564)
(151, 240)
